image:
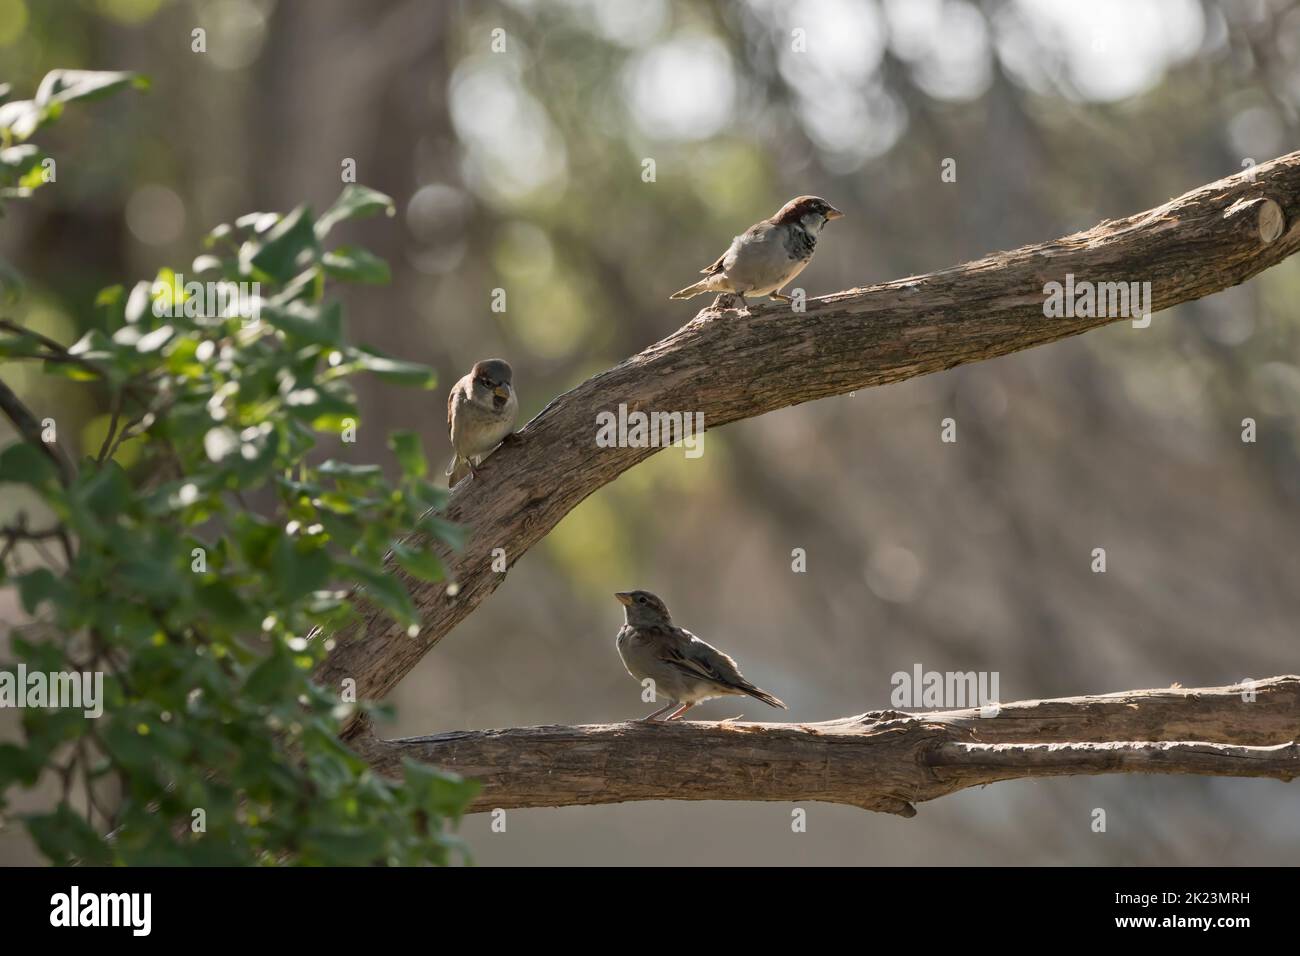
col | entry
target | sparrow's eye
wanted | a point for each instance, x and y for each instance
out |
(640, 599)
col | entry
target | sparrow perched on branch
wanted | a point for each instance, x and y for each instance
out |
(767, 255)
(683, 667)
(481, 411)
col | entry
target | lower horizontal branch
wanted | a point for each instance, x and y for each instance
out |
(1010, 761)
(883, 760)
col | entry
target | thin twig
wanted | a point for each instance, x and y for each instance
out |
(112, 429)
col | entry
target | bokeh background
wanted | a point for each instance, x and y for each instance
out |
(522, 170)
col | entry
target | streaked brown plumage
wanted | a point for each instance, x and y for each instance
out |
(684, 668)
(769, 254)
(481, 411)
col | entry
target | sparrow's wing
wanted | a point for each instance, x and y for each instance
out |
(451, 405)
(716, 265)
(701, 660)
(753, 232)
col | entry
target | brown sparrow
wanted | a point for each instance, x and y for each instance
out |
(481, 411)
(684, 668)
(767, 255)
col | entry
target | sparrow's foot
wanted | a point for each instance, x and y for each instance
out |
(780, 297)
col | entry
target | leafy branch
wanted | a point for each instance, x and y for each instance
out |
(204, 537)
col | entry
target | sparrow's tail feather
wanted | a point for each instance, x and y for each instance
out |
(457, 470)
(759, 694)
(694, 289)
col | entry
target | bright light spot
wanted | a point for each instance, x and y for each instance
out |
(1103, 50)
(524, 251)
(947, 44)
(893, 574)
(155, 215)
(843, 105)
(629, 23)
(683, 89)
(437, 211)
(236, 32)
(512, 148)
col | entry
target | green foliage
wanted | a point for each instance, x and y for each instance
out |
(23, 166)
(202, 549)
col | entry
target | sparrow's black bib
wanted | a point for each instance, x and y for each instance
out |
(801, 242)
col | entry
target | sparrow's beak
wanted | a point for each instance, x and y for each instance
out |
(833, 213)
(624, 597)
(501, 393)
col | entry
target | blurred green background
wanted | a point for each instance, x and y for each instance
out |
(521, 169)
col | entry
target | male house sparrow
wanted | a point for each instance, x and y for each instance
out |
(683, 667)
(481, 412)
(767, 255)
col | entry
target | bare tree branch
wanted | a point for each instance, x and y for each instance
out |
(729, 366)
(882, 760)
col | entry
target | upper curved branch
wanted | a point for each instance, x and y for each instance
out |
(729, 365)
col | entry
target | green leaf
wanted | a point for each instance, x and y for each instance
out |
(418, 563)
(17, 765)
(129, 747)
(107, 492)
(339, 846)
(38, 586)
(66, 838)
(288, 248)
(396, 370)
(385, 591)
(321, 325)
(299, 570)
(452, 535)
(342, 469)
(24, 464)
(153, 341)
(224, 603)
(353, 264)
(21, 118)
(410, 453)
(438, 791)
(11, 282)
(19, 346)
(20, 158)
(270, 679)
(64, 86)
(355, 202)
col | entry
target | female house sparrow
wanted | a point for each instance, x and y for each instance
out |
(768, 254)
(481, 412)
(682, 666)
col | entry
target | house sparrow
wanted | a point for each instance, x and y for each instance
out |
(681, 665)
(481, 412)
(768, 254)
